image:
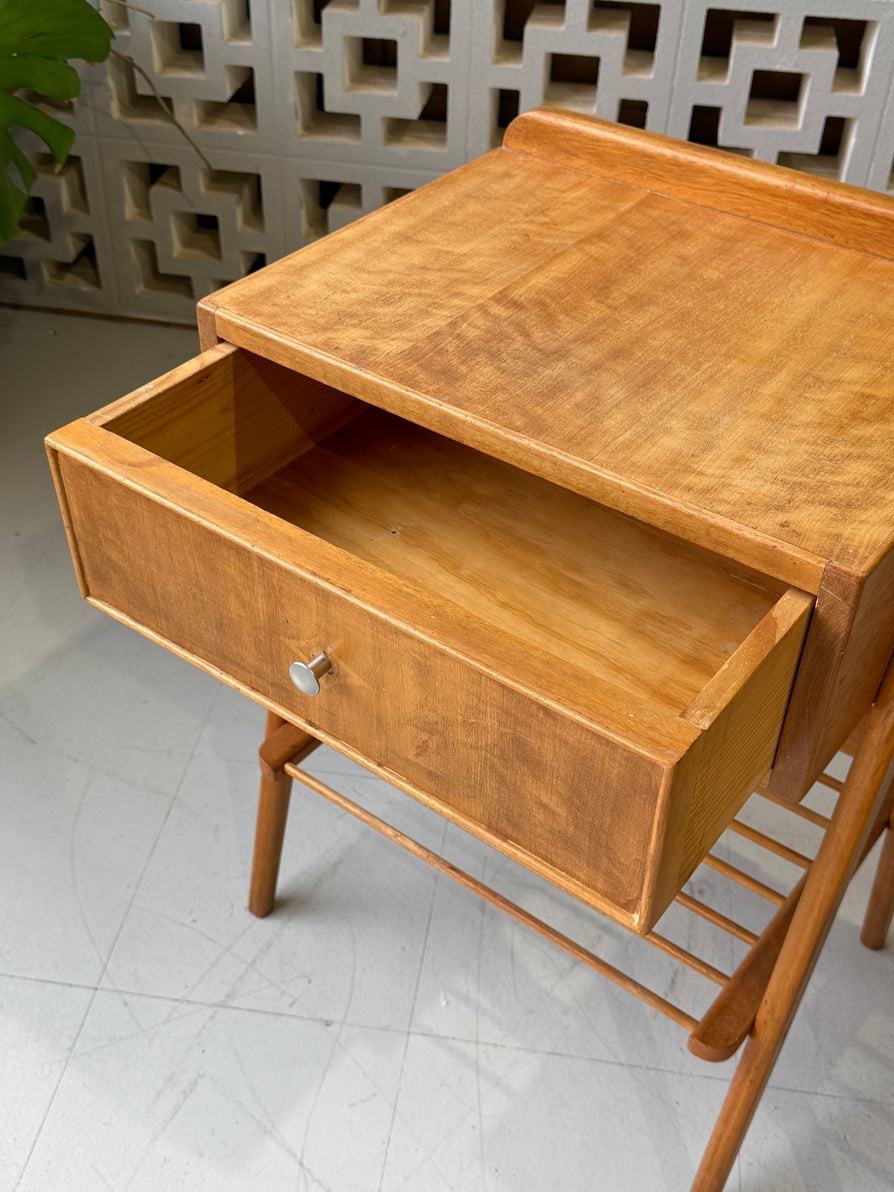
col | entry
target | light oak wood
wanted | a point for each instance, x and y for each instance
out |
(631, 606)
(228, 416)
(282, 743)
(790, 199)
(481, 621)
(726, 1024)
(839, 676)
(605, 316)
(880, 910)
(594, 331)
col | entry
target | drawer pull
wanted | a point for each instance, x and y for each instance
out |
(306, 675)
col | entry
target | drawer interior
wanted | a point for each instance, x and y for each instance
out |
(638, 609)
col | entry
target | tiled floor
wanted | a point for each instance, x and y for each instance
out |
(383, 1030)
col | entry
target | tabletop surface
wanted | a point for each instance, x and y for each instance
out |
(678, 361)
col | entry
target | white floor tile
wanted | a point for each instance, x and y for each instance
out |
(345, 942)
(39, 1023)
(74, 843)
(803, 1143)
(497, 1119)
(159, 1095)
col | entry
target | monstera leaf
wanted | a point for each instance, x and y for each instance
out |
(37, 37)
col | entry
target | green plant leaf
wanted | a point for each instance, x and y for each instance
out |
(56, 79)
(59, 29)
(37, 37)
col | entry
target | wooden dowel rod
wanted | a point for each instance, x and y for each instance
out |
(743, 879)
(728, 1020)
(725, 924)
(773, 846)
(807, 813)
(688, 958)
(835, 783)
(881, 901)
(675, 1013)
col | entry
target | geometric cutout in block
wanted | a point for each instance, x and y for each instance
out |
(571, 81)
(67, 180)
(81, 272)
(236, 114)
(504, 106)
(852, 40)
(370, 65)
(195, 236)
(177, 48)
(115, 14)
(235, 16)
(307, 31)
(633, 112)
(150, 276)
(252, 262)
(74, 185)
(722, 27)
(829, 160)
(344, 206)
(429, 131)
(314, 120)
(12, 267)
(325, 204)
(638, 24)
(127, 102)
(516, 14)
(775, 99)
(441, 21)
(704, 129)
(33, 222)
(143, 179)
(390, 193)
(242, 190)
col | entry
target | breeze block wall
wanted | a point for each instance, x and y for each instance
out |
(312, 112)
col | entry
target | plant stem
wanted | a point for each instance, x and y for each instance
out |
(162, 104)
(135, 7)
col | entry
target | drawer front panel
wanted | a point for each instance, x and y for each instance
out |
(540, 780)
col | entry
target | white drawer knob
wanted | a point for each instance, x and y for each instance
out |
(306, 675)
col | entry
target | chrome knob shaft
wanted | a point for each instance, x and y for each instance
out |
(306, 675)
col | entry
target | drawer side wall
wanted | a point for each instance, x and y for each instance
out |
(734, 754)
(847, 650)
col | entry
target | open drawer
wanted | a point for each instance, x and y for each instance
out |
(592, 696)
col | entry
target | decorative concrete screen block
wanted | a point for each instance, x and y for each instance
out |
(312, 112)
(614, 60)
(804, 86)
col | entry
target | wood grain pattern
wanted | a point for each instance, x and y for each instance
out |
(530, 775)
(628, 605)
(592, 761)
(228, 416)
(618, 341)
(851, 636)
(740, 712)
(707, 177)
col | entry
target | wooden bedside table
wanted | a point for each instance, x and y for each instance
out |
(558, 493)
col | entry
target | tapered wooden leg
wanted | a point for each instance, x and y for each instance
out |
(864, 792)
(282, 743)
(881, 901)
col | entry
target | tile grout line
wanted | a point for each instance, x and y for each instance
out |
(410, 1018)
(111, 951)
